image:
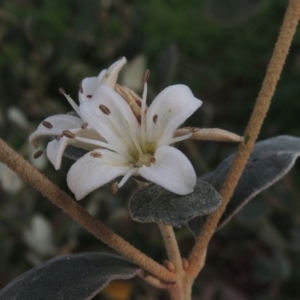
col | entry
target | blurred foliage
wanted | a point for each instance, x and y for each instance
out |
(45, 44)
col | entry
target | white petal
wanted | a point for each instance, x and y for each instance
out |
(59, 123)
(170, 108)
(55, 149)
(88, 87)
(172, 170)
(118, 126)
(89, 173)
(111, 75)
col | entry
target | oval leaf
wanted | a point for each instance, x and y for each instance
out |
(270, 160)
(70, 277)
(156, 204)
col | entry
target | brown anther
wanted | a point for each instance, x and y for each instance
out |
(104, 109)
(152, 159)
(185, 264)
(89, 96)
(139, 118)
(80, 88)
(84, 125)
(38, 153)
(95, 154)
(59, 137)
(47, 124)
(155, 119)
(146, 76)
(106, 75)
(169, 265)
(138, 102)
(68, 134)
(61, 91)
(114, 187)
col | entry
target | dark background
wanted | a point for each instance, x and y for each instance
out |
(220, 49)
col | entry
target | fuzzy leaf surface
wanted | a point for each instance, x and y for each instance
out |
(158, 205)
(270, 160)
(69, 277)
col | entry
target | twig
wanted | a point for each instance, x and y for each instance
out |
(262, 104)
(171, 245)
(41, 183)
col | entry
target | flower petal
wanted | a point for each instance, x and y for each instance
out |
(111, 75)
(58, 123)
(90, 173)
(55, 149)
(109, 114)
(88, 86)
(168, 111)
(172, 170)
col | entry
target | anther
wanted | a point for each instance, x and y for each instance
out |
(104, 109)
(89, 96)
(114, 187)
(84, 125)
(68, 134)
(106, 75)
(61, 91)
(59, 137)
(138, 102)
(47, 124)
(155, 119)
(38, 153)
(80, 88)
(152, 159)
(146, 76)
(96, 154)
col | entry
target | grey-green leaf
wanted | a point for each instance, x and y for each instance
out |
(156, 204)
(270, 160)
(69, 277)
(233, 12)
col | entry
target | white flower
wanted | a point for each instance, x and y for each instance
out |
(57, 124)
(132, 140)
(136, 146)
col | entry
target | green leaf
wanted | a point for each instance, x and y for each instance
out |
(270, 161)
(70, 277)
(158, 205)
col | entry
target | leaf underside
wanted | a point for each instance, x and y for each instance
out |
(158, 205)
(69, 277)
(270, 160)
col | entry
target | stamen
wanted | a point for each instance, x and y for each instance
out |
(59, 137)
(47, 124)
(84, 125)
(126, 176)
(155, 119)
(104, 109)
(71, 101)
(180, 138)
(103, 145)
(114, 187)
(152, 159)
(69, 134)
(38, 153)
(136, 144)
(89, 96)
(95, 154)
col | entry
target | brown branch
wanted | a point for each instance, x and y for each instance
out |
(260, 110)
(41, 183)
